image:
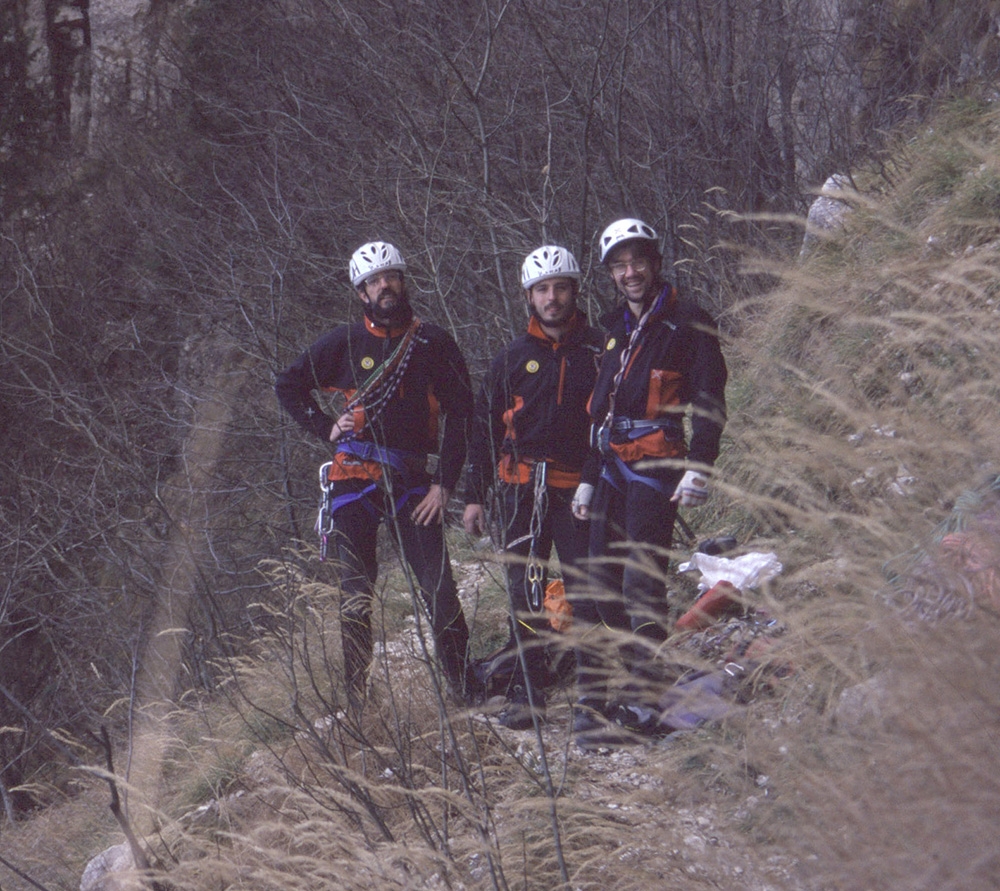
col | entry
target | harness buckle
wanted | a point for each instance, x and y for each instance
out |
(600, 439)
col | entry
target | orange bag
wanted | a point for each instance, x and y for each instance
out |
(722, 599)
(558, 607)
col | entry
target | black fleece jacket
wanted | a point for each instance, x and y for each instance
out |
(434, 382)
(533, 404)
(676, 368)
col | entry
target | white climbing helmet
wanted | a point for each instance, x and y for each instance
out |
(549, 261)
(376, 256)
(625, 230)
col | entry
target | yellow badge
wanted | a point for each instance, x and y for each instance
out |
(611, 344)
(531, 367)
(368, 363)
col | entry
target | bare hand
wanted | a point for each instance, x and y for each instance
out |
(474, 519)
(343, 424)
(430, 511)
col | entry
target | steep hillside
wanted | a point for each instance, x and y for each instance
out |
(862, 450)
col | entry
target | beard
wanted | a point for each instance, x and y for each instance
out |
(394, 316)
(561, 320)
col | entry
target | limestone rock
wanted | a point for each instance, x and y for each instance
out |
(109, 870)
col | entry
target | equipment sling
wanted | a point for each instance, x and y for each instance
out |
(373, 395)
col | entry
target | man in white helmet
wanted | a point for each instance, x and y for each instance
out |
(529, 442)
(662, 362)
(394, 377)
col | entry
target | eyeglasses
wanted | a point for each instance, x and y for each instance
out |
(639, 264)
(390, 277)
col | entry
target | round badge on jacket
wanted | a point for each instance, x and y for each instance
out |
(611, 344)
(368, 363)
(531, 367)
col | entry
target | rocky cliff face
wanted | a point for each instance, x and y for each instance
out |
(91, 53)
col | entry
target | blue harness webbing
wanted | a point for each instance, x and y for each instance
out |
(629, 476)
(398, 459)
(369, 451)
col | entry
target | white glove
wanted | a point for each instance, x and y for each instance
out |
(581, 501)
(692, 490)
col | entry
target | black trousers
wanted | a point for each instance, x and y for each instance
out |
(631, 530)
(353, 546)
(570, 536)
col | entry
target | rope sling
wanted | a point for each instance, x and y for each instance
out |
(535, 571)
(373, 396)
(634, 333)
(614, 469)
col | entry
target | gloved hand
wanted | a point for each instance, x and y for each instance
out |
(581, 501)
(692, 490)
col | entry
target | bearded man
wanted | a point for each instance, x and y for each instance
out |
(397, 379)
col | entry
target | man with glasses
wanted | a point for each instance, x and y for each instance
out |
(662, 363)
(392, 378)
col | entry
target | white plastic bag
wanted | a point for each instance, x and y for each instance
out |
(749, 571)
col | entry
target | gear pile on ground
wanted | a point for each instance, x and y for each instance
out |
(960, 567)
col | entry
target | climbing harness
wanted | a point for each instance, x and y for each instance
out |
(672, 428)
(602, 436)
(373, 395)
(407, 465)
(617, 472)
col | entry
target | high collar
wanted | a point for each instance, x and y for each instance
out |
(662, 304)
(576, 323)
(385, 330)
(622, 310)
